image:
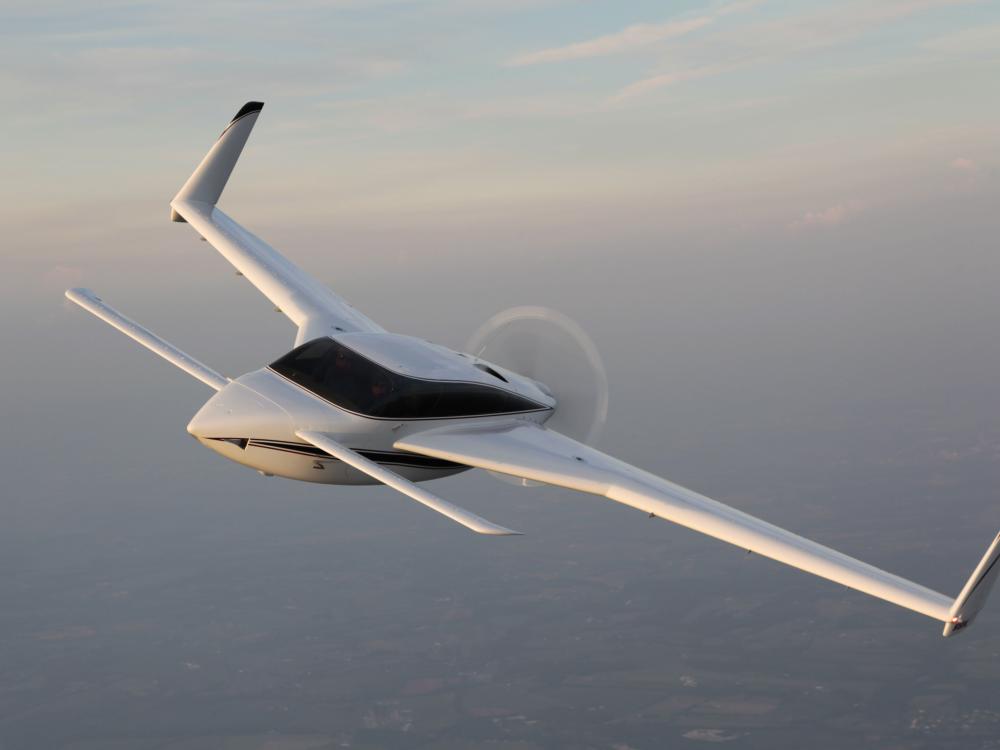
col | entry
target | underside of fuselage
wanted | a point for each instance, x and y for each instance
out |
(297, 460)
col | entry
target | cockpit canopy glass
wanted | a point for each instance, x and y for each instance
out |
(342, 376)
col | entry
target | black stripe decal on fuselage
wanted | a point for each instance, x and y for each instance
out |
(394, 458)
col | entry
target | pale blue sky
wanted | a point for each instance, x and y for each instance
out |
(778, 115)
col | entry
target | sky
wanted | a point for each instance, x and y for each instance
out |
(796, 116)
(778, 223)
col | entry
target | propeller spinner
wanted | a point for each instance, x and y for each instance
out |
(553, 350)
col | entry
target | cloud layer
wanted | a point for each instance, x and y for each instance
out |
(631, 38)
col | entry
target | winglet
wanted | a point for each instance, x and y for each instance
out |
(246, 109)
(976, 590)
(206, 183)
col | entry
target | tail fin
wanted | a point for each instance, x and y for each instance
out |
(977, 588)
(206, 183)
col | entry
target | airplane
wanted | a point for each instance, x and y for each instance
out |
(352, 403)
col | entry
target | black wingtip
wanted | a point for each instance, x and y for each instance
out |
(246, 109)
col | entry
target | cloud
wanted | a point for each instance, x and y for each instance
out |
(982, 40)
(645, 85)
(630, 38)
(827, 217)
(633, 37)
(779, 39)
(527, 107)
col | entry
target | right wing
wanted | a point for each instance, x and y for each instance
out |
(313, 307)
(533, 452)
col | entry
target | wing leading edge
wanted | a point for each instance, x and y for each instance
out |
(314, 308)
(533, 452)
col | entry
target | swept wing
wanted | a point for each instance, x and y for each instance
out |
(533, 452)
(310, 305)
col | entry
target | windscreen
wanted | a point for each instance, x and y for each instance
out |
(343, 377)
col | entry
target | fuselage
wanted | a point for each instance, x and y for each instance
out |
(368, 390)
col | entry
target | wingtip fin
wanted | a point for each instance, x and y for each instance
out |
(975, 592)
(247, 109)
(206, 183)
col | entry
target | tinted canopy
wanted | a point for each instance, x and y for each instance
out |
(343, 377)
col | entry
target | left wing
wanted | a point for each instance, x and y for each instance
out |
(313, 307)
(533, 452)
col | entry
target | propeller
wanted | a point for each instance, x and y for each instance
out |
(552, 349)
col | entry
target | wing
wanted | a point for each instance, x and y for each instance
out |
(96, 306)
(533, 452)
(470, 520)
(315, 309)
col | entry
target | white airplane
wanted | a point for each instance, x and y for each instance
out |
(355, 404)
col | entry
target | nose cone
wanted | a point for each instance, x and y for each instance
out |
(236, 413)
